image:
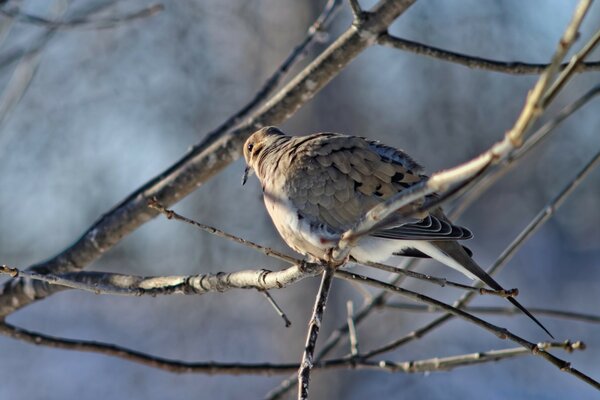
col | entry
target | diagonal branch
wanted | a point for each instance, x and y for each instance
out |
(501, 333)
(203, 161)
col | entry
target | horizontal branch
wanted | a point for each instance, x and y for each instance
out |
(132, 285)
(213, 367)
(508, 67)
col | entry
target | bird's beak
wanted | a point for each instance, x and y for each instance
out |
(247, 172)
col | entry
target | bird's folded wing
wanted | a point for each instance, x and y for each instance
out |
(430, 228)
(335, 179)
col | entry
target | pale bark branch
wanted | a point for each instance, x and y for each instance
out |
(204, 160)
(132, 285)
(508, 67)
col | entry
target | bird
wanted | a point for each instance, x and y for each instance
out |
(318, 186)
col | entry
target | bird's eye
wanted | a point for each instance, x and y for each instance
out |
(250, 147)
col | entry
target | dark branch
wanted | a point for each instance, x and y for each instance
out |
(508, 67)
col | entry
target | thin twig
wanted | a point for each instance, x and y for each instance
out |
(501, 333)
(547, 211)
(342, 331)
(510, 311)
(86, 23)
(357, 12)
(352, 329)
(278, 309)
(170, 214)
(313, 333)
(508, 67)
(448, 363)
(443, 281)
(214, 368)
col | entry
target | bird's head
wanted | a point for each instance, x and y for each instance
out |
(254, 146)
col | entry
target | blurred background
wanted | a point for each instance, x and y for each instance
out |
(95, 113)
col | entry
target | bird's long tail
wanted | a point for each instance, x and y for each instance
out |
(452, 254)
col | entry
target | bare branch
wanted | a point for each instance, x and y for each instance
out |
(449, 363)
(204, 161)
(314, 326)
(352, 329)
(546, 212)
(357, 12)
(461, 175)
(131, 285)
(170, 214)
(278, 309)
(575, 316)
(443, 281)
(501, 333)
(213, 368)
(85, 23)
(509, 67)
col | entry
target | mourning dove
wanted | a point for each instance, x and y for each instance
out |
(316, 187)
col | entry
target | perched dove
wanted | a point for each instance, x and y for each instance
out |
(318, 186)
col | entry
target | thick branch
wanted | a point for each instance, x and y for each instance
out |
(205, 160)
(131, 285)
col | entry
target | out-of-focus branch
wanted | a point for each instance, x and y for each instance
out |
(131, 285)
(314, 325)
(85, 22)
(213, 368)
(204, 161)
(508, 67)
(572, 315)
(502, 333)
